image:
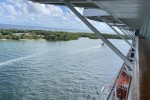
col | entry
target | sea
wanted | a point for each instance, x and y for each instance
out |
(59, 70)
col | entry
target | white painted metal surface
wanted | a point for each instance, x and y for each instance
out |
(131, 12)
(94, 12)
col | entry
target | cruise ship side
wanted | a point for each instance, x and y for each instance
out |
(128, 17)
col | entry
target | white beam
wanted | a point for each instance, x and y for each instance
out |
(131, 35)
(133, 41)
(118, 33)
(108, 43)
(129, 32)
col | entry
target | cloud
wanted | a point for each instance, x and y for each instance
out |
(24, 12)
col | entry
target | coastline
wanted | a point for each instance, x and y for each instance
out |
(13, 34)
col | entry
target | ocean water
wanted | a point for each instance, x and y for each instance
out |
(62, 70)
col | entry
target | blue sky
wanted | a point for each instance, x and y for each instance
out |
(24, 12)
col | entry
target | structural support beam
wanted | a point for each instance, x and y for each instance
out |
(129, 32)
(131, 35)
(108, 43)
(126, 34)
(118, 33)
(120, 26)
(133, 41)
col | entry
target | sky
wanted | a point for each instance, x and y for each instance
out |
(24, 12)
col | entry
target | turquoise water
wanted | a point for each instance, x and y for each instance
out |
(67, 70)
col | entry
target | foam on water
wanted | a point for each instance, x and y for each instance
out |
(21, 58)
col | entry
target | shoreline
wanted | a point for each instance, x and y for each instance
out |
(50, 40)
(12, 34)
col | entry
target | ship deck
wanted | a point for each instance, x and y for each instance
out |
(144, 68)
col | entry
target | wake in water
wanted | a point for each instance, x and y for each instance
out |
(21, 58)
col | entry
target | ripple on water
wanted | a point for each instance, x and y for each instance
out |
(69, 70)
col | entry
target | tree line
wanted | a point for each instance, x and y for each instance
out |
(48, 35)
